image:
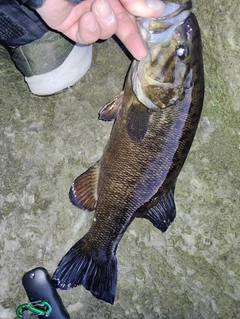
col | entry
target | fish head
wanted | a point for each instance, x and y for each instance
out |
(160, 78)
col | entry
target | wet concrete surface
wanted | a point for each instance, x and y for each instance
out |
(192, 270)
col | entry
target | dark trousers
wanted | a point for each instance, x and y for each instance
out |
(18, 24)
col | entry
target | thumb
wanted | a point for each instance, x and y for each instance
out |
(144, 8)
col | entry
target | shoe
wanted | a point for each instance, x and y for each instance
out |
(51, 64)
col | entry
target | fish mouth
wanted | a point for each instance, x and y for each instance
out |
(160, 30)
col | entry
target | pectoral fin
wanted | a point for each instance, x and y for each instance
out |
(83, 192)
(110, 111)
(137, 121)
(161, 212)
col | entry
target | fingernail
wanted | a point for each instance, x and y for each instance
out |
(156, 5)
(105, 11)
(92, 25)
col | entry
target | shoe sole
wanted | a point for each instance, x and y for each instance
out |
(67, 74)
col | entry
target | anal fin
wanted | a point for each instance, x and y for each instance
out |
(83, 192)
(161, 211)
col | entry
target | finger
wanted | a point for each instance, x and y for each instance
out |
(62, 14)
(127, 31)
(86, 30)
(105, 18)
(130, 37)
(144, 8)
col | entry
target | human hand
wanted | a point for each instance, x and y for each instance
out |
(91, 20)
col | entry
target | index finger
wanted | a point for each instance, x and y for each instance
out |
(127, 31)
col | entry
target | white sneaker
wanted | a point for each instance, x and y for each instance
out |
(51, 64)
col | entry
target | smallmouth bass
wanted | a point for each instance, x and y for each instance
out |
(156, 117)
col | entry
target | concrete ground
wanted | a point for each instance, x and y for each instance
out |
(190, 272)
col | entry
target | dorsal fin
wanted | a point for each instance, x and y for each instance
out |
(161, 211)
(110, 110)
(137, 121)
(83, 192)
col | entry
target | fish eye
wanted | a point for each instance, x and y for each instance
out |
(182, 52)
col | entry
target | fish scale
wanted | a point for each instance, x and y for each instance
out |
(155, 120)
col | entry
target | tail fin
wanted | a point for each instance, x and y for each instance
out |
(95, 270)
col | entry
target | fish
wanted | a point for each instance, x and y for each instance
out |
(155, 120)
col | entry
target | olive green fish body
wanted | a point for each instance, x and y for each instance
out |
(156, 118)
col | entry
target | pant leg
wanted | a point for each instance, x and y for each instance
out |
(18, 24)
